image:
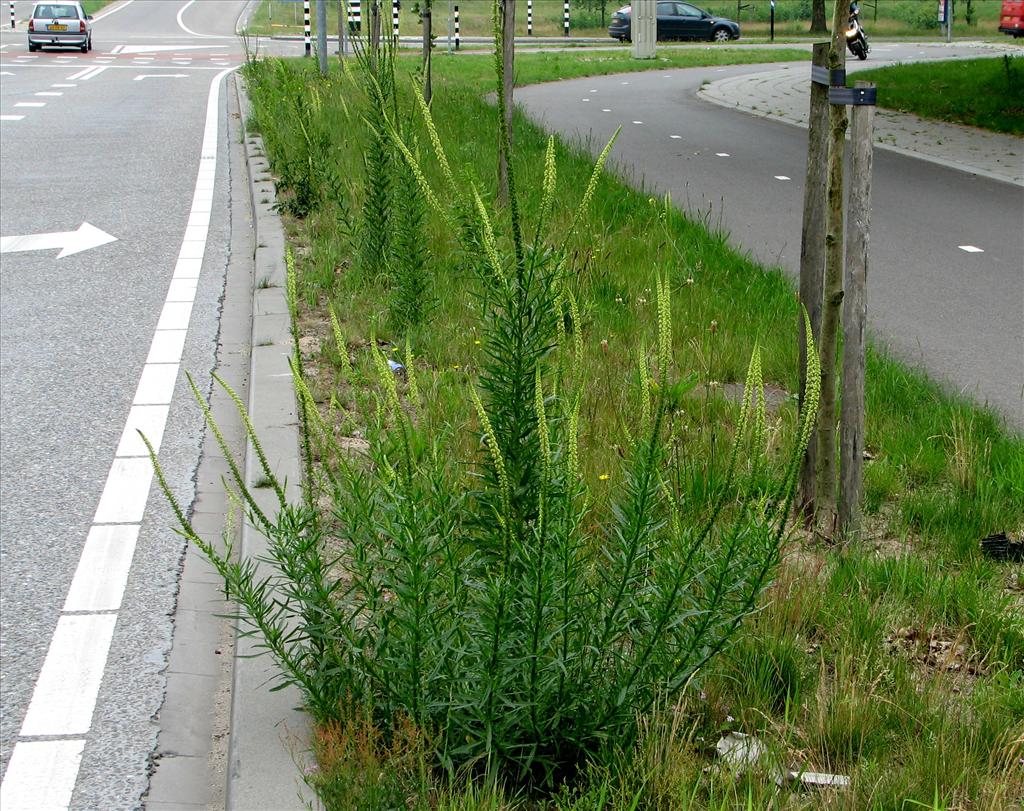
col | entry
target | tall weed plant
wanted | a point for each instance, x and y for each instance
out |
(486, 600)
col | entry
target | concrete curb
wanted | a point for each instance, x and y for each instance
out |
(269, 733)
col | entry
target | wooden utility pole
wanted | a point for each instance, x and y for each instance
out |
(825, 498)
(508, 51)
(858, 221)
(812, 248)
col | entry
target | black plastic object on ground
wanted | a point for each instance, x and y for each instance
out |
(1000, 547)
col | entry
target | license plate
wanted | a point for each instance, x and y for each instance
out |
(56, 28)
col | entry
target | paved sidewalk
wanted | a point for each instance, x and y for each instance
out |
(782, 94)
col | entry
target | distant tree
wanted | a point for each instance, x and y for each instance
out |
(818, 24)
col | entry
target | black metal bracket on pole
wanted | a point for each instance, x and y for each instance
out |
(839, 93)
(853, 96)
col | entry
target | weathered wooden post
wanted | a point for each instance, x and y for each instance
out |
(826, 518)
(858, 222)
(812, 246)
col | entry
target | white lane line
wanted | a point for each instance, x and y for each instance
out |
(5, 73)
(116, 49)
(782, 177)
(65, 693)
(48, 93)
(103, 569)
(675, 137)
(30, 104)
(722, 154)
(605, 110)
(74, 77)
(971, 248)
(586, 99)
(42, 774)
(105, 59)
(11, 117)
(638, 122)
(187, 30)
(63, 84)
(92, 74)
(114, 10)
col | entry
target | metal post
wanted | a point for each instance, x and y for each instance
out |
(321, 35)
(456, 26)
(565, 18)
(12, 13)
(773, 20)
(949, 20)
(307, 29)
(529, 18)
(394, 18)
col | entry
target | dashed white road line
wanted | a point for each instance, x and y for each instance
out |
(11, 117)
(783, 177)
(638, 122)
(63, 84)
(49, 93)
(42, 774)
(605, 110)
(722, 155)
(675, 137)
(30, 104)
(971, 249)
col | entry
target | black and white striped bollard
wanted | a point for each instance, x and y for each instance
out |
(307, 28)
(355, 16)
(529, 18)
(456, 28)
(565, 18)
(12, 13)
(394, 18)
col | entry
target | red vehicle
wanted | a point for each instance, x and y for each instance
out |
(1011, 18)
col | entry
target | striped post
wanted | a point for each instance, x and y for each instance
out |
(394, 18)
(355, 15)
(12, 13)
(565, 18)
(456, 28)
(529, 18)
(307, 28)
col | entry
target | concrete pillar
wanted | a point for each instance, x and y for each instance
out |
(644, 29)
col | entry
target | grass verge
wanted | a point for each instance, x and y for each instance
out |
(986, 93)
(896, 661)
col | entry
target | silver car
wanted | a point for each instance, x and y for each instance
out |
(59, 25)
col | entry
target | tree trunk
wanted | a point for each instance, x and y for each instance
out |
(427, 34)
(812, 258)
(508, 50)
(818, 25)
(825, 498)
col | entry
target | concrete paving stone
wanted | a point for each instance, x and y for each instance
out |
(171, 806)
(271, 330)
(204, 596)
(192, 625)
(185, 719)
(181, 779)
(270, 300)
(195, 657)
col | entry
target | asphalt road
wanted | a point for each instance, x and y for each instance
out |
(113, 138)
(958, 315)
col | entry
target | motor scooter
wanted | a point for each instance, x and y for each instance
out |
(856, 39)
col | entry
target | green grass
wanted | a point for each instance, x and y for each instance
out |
(94, 6)
(902, 18)
(898, 661)
(986, 93)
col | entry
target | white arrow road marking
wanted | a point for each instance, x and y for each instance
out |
(161, 76)
(86, 237)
